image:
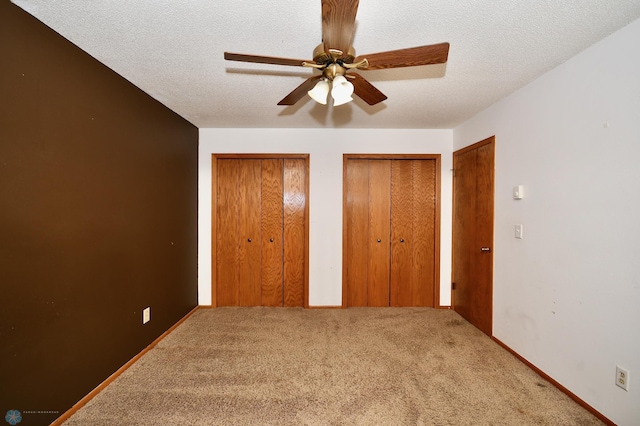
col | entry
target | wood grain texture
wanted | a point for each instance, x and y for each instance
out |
(300, 91)
(338, 23)
(380, 231)
(482, 307)
(241, 57)
(365, 90)
(412, 192)
(250, 204)
(424, 208)
(410, 57)
(472, 229)
(214, 231)
(356, 193)
(272, 232)
(294, 231)
(250, 234)
(402, 239)
(464, 199)
(227, 243)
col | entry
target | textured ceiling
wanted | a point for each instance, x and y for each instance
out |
(173, 50)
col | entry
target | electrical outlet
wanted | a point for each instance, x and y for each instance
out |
(146, 315)
(622, 378)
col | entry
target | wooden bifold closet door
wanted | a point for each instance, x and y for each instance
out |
(391, 231)
(260, 228)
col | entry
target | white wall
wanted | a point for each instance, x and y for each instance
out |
(567, 296)
(326, 147)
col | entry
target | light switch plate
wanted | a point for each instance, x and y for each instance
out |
(146, 315)
(519, 231)
(518, 192)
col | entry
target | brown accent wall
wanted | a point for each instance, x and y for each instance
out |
(98, 219)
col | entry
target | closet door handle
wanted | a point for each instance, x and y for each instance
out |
(249, 239)
(379, 240)
(402, 240)
(270, 240)
(485, 249)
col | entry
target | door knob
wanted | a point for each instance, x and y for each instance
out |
(485, 249)
(270, 240)
(378, 239)
(249, 239)
(402, 240)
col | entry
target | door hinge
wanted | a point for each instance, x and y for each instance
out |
(454, 172)
(453, 286)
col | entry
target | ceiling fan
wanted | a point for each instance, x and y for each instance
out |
(335, 58)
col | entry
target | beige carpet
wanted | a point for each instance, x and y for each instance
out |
(357, 366)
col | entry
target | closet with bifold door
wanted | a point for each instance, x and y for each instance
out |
(260, 223)
(391, 227)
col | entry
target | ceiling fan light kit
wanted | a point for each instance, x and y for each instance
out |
(341, 91)
(320, 92)
(335, 57)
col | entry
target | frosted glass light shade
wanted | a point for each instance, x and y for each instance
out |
(320, 92)
(341, 91)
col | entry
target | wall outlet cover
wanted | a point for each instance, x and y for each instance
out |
(622, 378)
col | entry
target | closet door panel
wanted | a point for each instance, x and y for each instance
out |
(272, 232)
(424, 233)
(395, 250)
(379, 232)
(294, 231)
(357, 231)
(402, 239)
(227, 244)
(250, 233)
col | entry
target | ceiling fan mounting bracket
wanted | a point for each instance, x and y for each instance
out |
(321, 55)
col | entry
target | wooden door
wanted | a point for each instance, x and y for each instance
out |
(413, 233)
(260, 223)
(295, 229)
(227, 243)
(356, 230)
(368, 233)
(390, 235)
(402, 240)
(379, 215)
(472, 263)
(250, 254)
(272, 243)
(368, 210)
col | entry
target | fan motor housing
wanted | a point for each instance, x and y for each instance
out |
(320, 56)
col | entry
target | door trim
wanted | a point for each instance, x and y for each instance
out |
(437, 158)
(214, 218)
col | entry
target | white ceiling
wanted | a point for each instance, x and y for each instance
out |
(173, 50)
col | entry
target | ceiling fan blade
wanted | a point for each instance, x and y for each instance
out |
(264, 59)
(411, 57)
(299, 92)
(365, 90)
(338, 23)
